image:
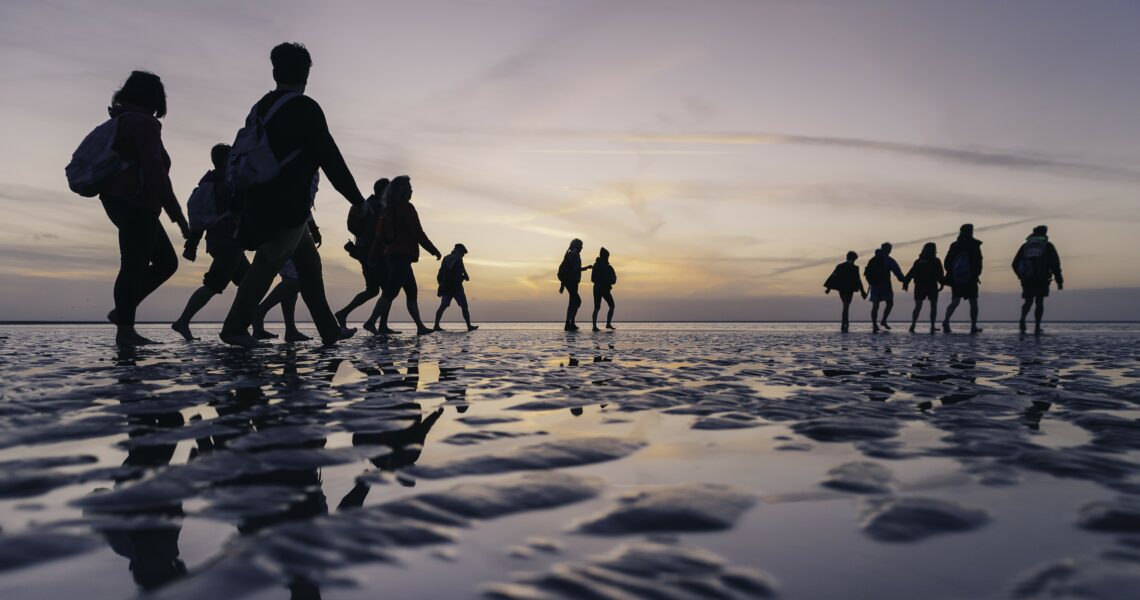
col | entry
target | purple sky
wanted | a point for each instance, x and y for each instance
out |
(728, 153)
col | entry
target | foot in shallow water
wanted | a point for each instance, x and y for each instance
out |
(611, 327)
(472, 327)
(385, 331)
(423, 331)
(183, 329)
(262, 334)
(370, 327)
(296, 336)
(911, 329)
(243, 340)
(436, 327)
(596, 328)
(975, 330)
(341, 319)
(130, 337)
(571, 327)
(884, 324)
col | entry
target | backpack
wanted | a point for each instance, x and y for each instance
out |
(95, 160)
(566, 270)
(202, 207)
(876, 270)
(448, 276)
(251, 162)
(1031, 266)
(961, 271)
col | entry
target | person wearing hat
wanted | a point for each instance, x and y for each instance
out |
(451, 276)
(1036, 265)
(604, 278)
(963, 274)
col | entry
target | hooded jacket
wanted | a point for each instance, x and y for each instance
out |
(971, 247)
(1052, 261)
(145, 183)
(603, 275)
(399, 232)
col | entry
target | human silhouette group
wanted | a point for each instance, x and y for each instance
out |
(1036, 264)
(259, 196)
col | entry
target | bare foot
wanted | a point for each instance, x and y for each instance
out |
(370, 327)
(184, 330)
(261, 334)
(423, 331)
(130, 337)
(342, 319)
(472, 327)
(295, 336)
(437, 328)
(243, 340)
(608, 326)
(387, 331)
(596, 328)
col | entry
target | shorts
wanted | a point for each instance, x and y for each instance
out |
(926, 292)
(968, 291)
(289, 271)
(399, 276)
(1034, 290)
(457, 294)
(374, 276)
(228, 264)
(882, 292)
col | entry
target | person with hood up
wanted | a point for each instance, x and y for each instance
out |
(845, 279)
(400, 237)
(878, 273)
(1036, 265)
(963, 274)
(927, 274)
(450, 278)
(604, 278)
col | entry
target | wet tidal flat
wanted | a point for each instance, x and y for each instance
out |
(690, 461)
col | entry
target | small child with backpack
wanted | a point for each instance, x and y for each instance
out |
(452, 274)
(210, 216)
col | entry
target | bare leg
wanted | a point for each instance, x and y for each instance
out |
(289, 315)
(914, 315)
(974, 316)
(1039, 313)
(1025, 306)
(197, 301)
(887, 312)
(949, 313)
(933, 313)
(875, 316)
(356, 302)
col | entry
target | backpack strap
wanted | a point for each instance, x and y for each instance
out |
(263, 121)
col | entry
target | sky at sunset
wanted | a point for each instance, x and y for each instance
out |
(727, 153)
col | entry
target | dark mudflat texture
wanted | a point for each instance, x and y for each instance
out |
(692, 461)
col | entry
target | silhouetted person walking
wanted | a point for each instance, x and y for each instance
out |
(401, 234)
(452, 274)
(276, 213)
(362, 224)
(569, 276)
(1036, 264)
(878, 273)
(604, 278)
(210, 215)
(963, 273)
(927, 274)
(845, 279)
(134, 196)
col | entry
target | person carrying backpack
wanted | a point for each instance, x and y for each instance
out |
(450, 278)
(400, 237)
(1036, 265)
(272, 166)
(963, 274)
(134, 193)
(878, 273)
(362, 224)
(927, 274)
(569, 276)
(604, 278)
(210, 217)
(845, 279)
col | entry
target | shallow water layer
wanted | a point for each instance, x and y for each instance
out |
(658, 461)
